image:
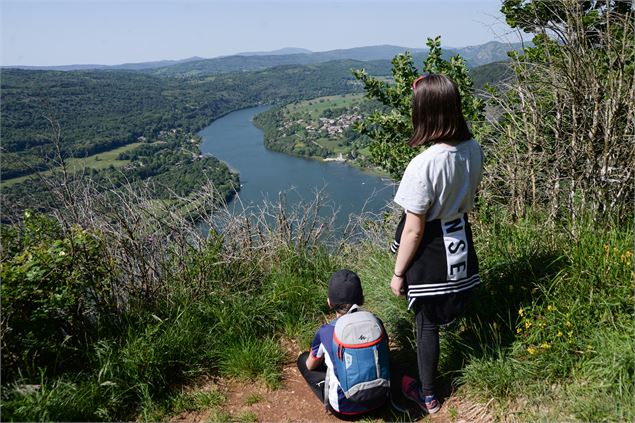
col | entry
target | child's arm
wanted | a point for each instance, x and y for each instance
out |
(316, 353)
(313, 362)
(410, 239)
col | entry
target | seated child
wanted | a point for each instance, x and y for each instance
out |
(348, 366)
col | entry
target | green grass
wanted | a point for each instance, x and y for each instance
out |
(220, 416)
(569, 356)
(548, 335)
(246, 417)
(253, 399)
(97, 162)
(253, 358)
(179, 402)
(332, 144)
(230, 326)
(562, 344)
(312, 109)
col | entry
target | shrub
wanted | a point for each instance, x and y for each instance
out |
(55, 291)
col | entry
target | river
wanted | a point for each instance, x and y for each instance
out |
(265, 174)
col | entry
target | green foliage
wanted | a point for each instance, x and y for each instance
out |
(170, 166)
(568, 110)
(253, 399)
(532, 16)
(547, 335)
(566, 345)
(62, 400)
(100, 110)
(218, 316)
(490, 74)
(55, 289)
(390, 131)
(199, 400)
(252, 358)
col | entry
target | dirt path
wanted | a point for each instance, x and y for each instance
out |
(295, 402)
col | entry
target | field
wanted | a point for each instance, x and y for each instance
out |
(314, 108)
(96, 161)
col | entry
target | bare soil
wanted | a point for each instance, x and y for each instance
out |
(295, 402)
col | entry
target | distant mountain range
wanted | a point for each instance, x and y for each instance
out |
(492, 51)
(125, 66)
(286, 50)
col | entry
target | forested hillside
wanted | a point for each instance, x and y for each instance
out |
(475, 56)
(320, 128)
(99, 111)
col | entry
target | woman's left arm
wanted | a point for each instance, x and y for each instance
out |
(410, 239)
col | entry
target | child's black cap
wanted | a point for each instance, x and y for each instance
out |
(345, 288)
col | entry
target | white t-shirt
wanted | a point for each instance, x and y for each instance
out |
(441, 182)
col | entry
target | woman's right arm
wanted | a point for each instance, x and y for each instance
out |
(410, 239)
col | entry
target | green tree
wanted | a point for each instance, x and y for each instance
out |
(562, 136)
(536, 16)
(391, 130)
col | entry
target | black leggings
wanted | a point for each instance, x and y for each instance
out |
(430, 313)
(427, 351)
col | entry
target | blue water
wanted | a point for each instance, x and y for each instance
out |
(266, 175)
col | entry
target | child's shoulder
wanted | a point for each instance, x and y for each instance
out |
(325, 332)
(327, 327)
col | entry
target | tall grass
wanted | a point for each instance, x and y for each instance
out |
(548, 336)
(218, 306)
(571, 355)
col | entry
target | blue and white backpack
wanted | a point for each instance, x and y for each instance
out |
(360, 357)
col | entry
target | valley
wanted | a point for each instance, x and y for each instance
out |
(169, 228)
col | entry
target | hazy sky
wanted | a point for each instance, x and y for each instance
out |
(60, 32)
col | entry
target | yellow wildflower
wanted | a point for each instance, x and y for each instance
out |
(551, 307)
(527, 324)
(545, 346)
(519, 330)
(521, 312)
(568, 323)
(629, 254)
(531, 350)
(559, 333)
(570, 334)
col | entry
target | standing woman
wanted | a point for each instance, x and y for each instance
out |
(436, 264)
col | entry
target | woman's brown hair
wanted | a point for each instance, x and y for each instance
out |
(436, 111)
